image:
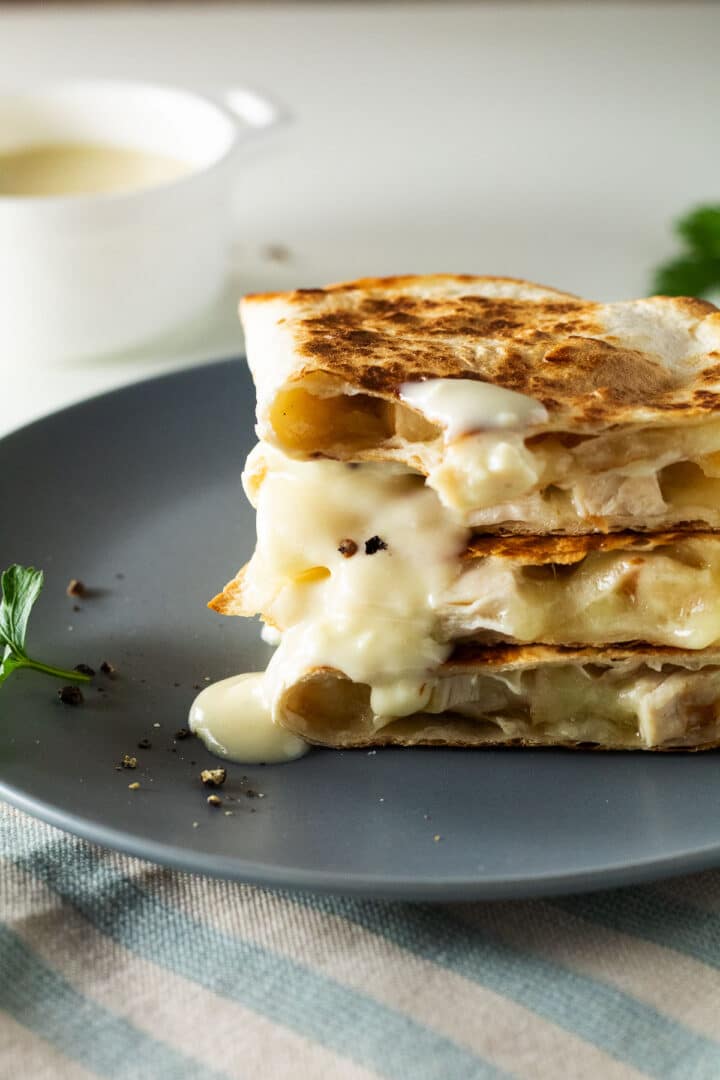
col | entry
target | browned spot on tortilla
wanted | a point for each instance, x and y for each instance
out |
(586, 366)
(497, 656)
(374, 334)
(566, 550)
(381, 342)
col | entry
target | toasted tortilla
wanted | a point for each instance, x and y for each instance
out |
(591, 365)
(626, 395)
(630, 698)
(569, 550)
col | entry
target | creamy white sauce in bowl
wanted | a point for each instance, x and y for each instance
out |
(81, 168)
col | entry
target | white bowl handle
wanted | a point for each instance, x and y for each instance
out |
(256, 112)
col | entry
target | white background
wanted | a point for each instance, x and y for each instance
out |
(549, 141)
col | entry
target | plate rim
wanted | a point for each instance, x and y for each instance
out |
(274, 876)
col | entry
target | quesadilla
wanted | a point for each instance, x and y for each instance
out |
(427, 572)
(625, 699)
(488, 513)
(528, 410)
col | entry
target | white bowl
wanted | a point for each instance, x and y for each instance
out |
(90, 274)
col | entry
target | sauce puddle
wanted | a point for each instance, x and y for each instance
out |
(234, 721)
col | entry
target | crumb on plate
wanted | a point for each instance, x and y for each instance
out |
(70, 695)
(213, 777)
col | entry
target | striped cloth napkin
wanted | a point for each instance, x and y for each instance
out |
(114, 967)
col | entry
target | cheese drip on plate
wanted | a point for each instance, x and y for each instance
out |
(234, 720)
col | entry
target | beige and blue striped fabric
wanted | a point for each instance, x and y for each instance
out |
(113, 967)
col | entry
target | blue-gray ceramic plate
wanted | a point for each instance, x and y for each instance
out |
(138, 494)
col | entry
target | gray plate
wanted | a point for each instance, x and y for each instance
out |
(145, 483)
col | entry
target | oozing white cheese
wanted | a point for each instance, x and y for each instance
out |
(234, 720)
(551, 486)
(270, 635)
(464, 406)
(485, 471)
(361, 557)
(669, 595)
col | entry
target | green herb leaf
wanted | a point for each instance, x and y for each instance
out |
(21, 587)
(696, 272)
(700, 229)
(688, 275)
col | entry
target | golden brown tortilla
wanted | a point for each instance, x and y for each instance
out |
(592, 365)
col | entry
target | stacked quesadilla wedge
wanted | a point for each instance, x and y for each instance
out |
(488, 513)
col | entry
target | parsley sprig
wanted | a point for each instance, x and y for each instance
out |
(696, 271)
(21, 587)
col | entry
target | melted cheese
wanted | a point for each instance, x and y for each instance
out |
(234, 720)
(370, 611)
(463, 406)
(418, 595)
(558, 701)
(481, 450)
(667, 596)
(641, 706)
(492, 478)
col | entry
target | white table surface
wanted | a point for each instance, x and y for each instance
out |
(549, 141)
